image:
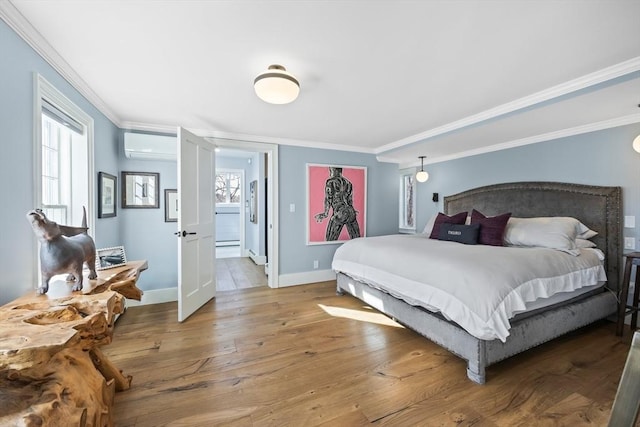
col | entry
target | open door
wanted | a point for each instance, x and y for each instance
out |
(196, 225)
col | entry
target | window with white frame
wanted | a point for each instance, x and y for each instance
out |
(64, 158)
(407, 202)
(228, 187)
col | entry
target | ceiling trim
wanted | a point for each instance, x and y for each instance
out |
(12, 16)
(578, 130)
(208, 133)
(601, 76)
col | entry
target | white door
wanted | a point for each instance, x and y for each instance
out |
(196, 225)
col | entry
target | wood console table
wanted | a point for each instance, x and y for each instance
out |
(52, 371)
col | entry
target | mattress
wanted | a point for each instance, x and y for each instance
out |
(479, 287)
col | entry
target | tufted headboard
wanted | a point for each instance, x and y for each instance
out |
(599, 208)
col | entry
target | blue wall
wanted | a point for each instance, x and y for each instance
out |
(599, 158)
(382, 203)
(17, 242)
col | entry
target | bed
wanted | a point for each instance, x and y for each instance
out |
(599, 208)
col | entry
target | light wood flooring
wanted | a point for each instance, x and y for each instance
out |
(303, 356)
(239, 273)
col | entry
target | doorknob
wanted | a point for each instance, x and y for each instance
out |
(184, 233)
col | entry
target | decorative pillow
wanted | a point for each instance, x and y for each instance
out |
(458, 218)
(461, 233)
(584, 243)
(491, 228)
(547, 232)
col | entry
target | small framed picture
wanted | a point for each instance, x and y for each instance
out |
(110, 257)
(170, 205)
(140, 190)
(106, 195)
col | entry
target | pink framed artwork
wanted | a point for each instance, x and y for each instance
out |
(336, 203)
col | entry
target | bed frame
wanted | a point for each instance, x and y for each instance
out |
(599, 208)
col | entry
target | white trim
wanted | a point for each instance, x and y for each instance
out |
(257, 259)
(294, 279)
(562, 89)
(549, 136)
(12, 16)
(155, 296)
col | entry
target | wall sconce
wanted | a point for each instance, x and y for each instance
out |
(636, 144)
(422, 175)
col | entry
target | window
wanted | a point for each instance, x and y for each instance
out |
(228, 187)
(407, 202)
(64, 157)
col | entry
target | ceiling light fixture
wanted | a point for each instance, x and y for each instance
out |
(276, 85)
(422, 175)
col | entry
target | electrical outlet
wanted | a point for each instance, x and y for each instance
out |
(315, 264)
(629, 243)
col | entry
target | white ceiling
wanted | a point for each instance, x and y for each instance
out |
(395, 78)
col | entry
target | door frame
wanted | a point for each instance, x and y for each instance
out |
(272, 196)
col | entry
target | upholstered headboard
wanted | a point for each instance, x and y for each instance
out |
(599, 208)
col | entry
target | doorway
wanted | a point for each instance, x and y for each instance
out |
(261, 211)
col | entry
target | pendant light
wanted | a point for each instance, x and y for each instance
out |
(276, 85)
(422, 175)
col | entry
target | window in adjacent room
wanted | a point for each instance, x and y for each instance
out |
(64, 157)
(228, 187)
(407, 203)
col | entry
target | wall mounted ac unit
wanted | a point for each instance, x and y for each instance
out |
(150, 147)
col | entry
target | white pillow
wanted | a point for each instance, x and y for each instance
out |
(584, 243)
(429, 226)
(547, 232)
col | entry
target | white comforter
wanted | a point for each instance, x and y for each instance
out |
(479, 287)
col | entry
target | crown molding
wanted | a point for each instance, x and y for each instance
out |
(578, 130)
(601, 76)
(12, 16)
(208, 133)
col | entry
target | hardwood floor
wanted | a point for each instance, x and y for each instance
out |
(239, 273)
(302, 356)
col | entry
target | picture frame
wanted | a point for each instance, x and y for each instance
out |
(253, 201)
(171, 205)
(140, 190)
(110, 257)
(336, 203)
(107, 195)
(407, 213)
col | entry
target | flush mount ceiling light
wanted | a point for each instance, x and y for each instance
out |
(422, 175)
(276, 85)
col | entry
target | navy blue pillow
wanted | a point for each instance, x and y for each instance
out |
(467, 234)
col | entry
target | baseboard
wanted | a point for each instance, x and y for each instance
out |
(306, 277)
(257, 259)
(155, 296)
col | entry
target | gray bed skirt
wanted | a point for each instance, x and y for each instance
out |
(479, 354)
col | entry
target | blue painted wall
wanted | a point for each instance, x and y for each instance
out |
(599, 158)
(17, 242)
(382, 203)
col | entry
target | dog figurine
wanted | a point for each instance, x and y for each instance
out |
(63, 249)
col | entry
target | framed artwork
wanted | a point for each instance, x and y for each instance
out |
(253, 201)
(110, 257)
(336, 203)
(170, 205)
(106, 195)
(140, 190)
(408, 202)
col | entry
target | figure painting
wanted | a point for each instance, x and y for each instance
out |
(337, 197)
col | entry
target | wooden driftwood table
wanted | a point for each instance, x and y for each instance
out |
(52, 371)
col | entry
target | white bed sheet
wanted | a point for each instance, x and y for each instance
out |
(479, 287)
